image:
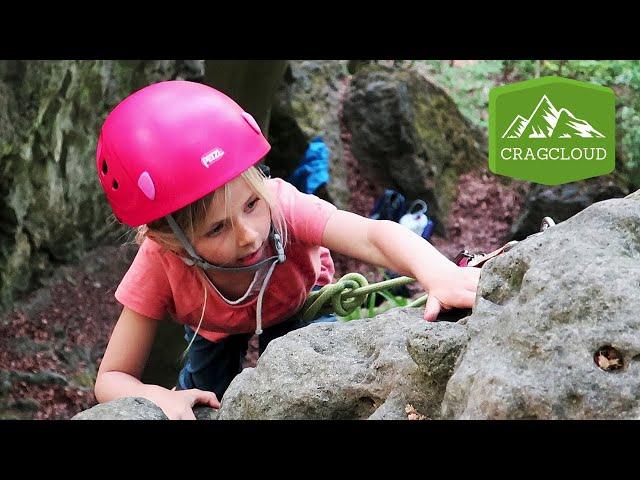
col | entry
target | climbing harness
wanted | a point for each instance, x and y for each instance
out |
(352, 290)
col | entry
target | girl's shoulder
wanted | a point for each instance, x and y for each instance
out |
(288, 195)
(306, 215)
(152, 251)
(276, 186)
(151, 248)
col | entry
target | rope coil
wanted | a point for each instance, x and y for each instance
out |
(348, 294)
(353, 290)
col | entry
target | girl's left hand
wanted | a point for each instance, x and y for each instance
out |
(456, 288)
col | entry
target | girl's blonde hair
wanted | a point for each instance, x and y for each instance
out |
(192, 217)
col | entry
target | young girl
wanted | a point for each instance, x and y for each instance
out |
(225, 250)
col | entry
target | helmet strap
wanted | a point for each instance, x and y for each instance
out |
(202, 263)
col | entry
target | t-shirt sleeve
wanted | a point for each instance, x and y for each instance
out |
(306, 215)
(145, 288)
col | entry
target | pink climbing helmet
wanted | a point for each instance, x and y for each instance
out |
(171, 143)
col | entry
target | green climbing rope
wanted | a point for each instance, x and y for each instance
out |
(348, 294)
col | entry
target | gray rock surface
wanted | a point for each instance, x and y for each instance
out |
(355, 370)
(544, 311)
(133, 408)
(129, 408)
(53, 209)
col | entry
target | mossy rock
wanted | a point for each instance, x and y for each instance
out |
(53, 209)
(409, 135)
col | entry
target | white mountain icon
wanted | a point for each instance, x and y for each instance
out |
(548, 122)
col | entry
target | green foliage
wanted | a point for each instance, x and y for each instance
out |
(391, 301)
(623, 76)
(603, 72)
(468, 83)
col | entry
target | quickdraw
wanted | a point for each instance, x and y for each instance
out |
(467, 259)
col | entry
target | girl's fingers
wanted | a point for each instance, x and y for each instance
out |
(206, 398)
(472, 277)
(213, 401)
(432, 309)
(468, 298)
(463, 299)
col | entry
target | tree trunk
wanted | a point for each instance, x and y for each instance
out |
(251, 83)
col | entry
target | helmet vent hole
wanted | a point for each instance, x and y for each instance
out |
(105, 169)
(115, 185)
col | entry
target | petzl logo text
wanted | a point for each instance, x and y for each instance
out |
(552, 130)
(212, 157)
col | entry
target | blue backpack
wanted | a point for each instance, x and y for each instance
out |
(313, 170)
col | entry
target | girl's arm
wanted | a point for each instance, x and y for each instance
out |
(392, 246)
(124, 361)
(125, 358)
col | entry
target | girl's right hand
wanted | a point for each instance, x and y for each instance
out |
(177, 405)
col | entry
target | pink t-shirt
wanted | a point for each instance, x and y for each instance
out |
(158, 281)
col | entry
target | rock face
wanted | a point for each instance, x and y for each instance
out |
(371, 368)
(362, 369)
(131, 408)
(409, 135)
(553, 335)
(53, 209)
(306, 105)
(547, 311)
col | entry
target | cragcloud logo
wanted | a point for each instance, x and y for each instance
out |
(531, 139)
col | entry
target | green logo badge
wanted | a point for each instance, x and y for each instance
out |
(552, 130)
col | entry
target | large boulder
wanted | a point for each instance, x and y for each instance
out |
(394, 366)
(53, 209)
(371, 368)
(134, 408)
(128, 408)
(408, 134)
(554, 333)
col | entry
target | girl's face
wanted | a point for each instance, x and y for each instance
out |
(245, 242)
